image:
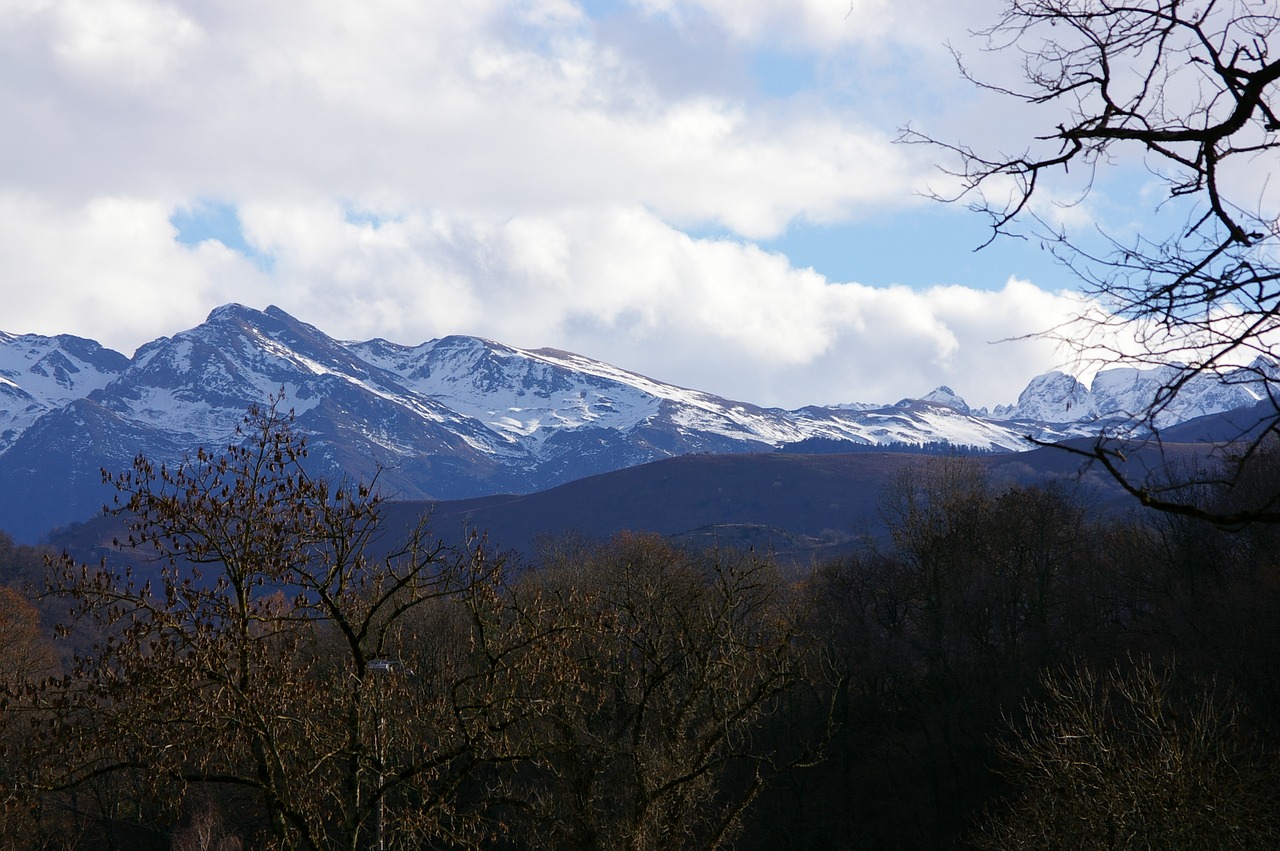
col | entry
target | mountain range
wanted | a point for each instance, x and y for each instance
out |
(462, 417)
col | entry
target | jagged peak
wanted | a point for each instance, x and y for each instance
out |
(234, 311)
(273, 323)
(1263, 365)
(1052, 382)
(38, 349)
(467, 343)
(1052, 397)
(947, 398)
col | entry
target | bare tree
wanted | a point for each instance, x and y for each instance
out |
(281, 647)
(1187, 89)
(1133, 760)
(657, 739)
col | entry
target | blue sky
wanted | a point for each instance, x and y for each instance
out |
(207, 219)
(704, 191)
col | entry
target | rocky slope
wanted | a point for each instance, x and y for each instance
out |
(462, 416)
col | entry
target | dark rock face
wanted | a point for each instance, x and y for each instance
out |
(452, 418)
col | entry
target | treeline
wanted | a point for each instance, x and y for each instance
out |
(1008, 671)
(833, 446)
(1013, 672)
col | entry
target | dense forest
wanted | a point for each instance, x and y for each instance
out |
(1008, 670)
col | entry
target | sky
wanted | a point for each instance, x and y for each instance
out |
(703, 191)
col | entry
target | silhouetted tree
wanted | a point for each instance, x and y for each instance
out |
(1133, 760)
(931, 637)
(1186, 89)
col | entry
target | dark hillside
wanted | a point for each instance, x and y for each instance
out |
(797, 506)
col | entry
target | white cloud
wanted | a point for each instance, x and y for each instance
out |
(531, 179)
(109, 270)
(447, 104)
(823, 24)
(615, 283)
(130, 43)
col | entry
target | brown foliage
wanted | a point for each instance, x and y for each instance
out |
(255, 659)
(28, 655)
(655, 740)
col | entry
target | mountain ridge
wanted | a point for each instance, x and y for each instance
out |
(460, 417)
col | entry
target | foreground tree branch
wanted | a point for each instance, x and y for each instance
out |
(1187, 90)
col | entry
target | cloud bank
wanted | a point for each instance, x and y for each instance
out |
(590, 177)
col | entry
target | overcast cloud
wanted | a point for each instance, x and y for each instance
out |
(597, 177)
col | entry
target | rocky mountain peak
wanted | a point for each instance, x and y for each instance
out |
(40, 374)
(462, 416)
(947, 398)
(1054, 397)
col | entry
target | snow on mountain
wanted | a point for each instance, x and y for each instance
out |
(39, 374)
(1054, 397)
(911, 422)
(462, 416)
(517, 405)
(511, 391)
(1126, 389)
(947, 398)
(1118, 398)
(200, 382)
(529, 395)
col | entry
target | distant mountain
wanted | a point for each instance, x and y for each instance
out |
(41, 374)
(461, 417)
(1119, 395)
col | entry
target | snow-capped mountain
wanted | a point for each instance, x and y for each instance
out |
(40, 374)
(459, 416)
(1119, 398)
